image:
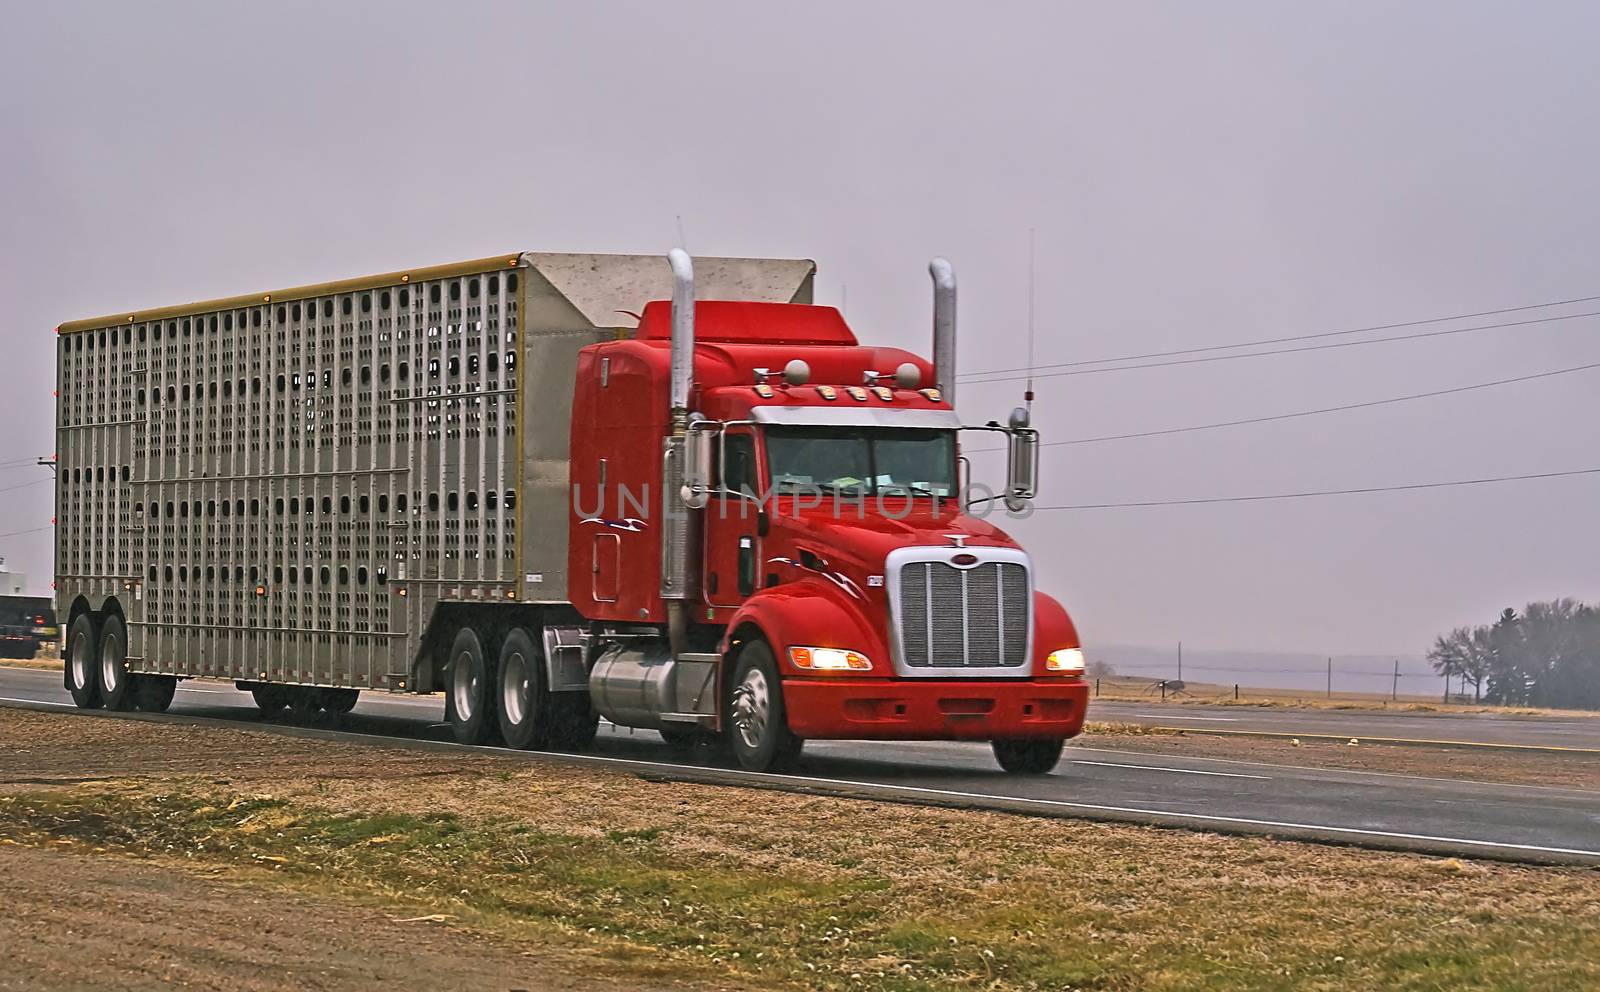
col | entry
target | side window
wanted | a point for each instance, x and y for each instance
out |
(739, 463)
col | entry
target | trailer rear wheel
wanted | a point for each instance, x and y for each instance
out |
(271, 699)
(340, 701)
(83, 662)
(116, 683)
(1027, 757)
(153, 693)
(522, 702)
(757, 720)
(468, 684)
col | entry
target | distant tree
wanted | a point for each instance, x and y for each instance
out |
(1098, 669)
(1548, 655)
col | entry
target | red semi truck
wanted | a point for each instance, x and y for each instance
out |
(731, 523)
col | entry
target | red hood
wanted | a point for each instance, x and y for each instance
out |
(866, 538)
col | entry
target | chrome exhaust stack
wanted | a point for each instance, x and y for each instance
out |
(944, 327)
(678, 521)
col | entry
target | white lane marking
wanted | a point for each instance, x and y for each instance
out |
(184, 688)
(36, 702)
(1170, 716)
(597, 759)
(1162, 768)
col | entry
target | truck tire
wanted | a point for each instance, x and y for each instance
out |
(1027, 757)
(758, 724)
(116, 682)
(270, 699)
(153, 693)
(83, 662)
(522, 696)
(468, 690)
(305, 702)
(573, 721)
(340, 701)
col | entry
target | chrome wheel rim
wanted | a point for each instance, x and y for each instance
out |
(464, 687)
(111, 659)
(515, 688)
(80, 662)
(752, 708)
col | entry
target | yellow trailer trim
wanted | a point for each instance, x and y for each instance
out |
(387, 279)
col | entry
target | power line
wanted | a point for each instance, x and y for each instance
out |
(35, 530)
(1296, 337)
(1288, 351)
(25, 485)
(1324, 492)
(1311, 413)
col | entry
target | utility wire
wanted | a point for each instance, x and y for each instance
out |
(35, 530)
(1325, 492)
(1310, 413)
(1290, 351)
(1296, 337)
(25, 485)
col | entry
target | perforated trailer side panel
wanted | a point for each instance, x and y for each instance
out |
(255, 485)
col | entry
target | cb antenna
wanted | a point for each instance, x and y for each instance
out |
(1027, 395)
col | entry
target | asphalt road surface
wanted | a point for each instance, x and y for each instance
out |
(1444, 816)
(1482, 728)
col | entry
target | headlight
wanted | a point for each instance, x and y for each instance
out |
(1067, 661)
(829, 660)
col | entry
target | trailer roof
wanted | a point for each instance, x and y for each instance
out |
(599, 287)
(491, 263)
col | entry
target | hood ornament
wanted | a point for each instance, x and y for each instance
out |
(958, 540)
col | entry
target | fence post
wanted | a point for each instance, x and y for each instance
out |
(1163, 690)
(1097, 687)
(1395, 693)
(1330, 678)
(1236, 692)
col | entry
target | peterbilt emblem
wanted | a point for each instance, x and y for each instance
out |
(964, 560)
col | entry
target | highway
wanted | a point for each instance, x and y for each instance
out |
(1485, 728)
(1435, 815)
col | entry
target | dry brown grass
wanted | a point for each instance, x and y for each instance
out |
(792, 890)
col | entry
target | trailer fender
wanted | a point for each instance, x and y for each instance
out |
(810, 612)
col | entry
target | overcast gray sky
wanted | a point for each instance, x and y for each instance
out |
(1197, 174)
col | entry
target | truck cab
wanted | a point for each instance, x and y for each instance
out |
(805, 524)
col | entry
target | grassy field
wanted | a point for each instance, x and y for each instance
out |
(1136, 689)
(716, 885)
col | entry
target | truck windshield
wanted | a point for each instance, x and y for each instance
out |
(862, 460)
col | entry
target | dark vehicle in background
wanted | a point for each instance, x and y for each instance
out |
(26, 623)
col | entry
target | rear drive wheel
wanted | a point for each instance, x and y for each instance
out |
(271, 699)
(1027, 757)
(305, 702)
(522, 701)
(153, 693)
(340, 701)
(573, 721)
(758, 725)
(116, 683)
(468, 686)
(83, 662)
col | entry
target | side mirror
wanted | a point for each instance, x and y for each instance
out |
(1022, 468)
(697, 469)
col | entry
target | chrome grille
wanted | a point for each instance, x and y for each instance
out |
(973, 617)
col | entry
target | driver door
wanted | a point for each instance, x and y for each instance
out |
(732, 525)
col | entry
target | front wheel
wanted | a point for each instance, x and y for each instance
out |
(758, 724)
(1028, 757)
